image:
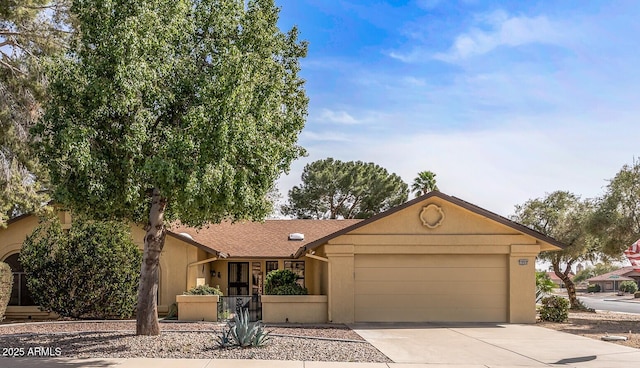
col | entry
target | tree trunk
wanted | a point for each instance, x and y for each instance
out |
(568, 283)
(147, 314)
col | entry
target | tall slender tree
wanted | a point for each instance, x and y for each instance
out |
(173, 110)
(424, 183)
(30, 31)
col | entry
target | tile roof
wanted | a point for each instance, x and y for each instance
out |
(260, 239)
(617, 275)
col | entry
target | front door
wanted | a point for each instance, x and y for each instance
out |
(238, 278)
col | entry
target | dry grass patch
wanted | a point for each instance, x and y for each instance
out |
(596, 325)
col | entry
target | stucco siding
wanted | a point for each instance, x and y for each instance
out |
(410, 288)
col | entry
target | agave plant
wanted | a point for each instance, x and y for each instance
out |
(224, 340)
(247, 333)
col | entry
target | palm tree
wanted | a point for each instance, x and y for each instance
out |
(424, 183)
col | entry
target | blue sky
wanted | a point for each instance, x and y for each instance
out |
(503, 100)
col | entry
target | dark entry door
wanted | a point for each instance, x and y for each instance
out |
(238, 278)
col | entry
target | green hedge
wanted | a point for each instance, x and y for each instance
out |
(6, 284)
(283, 282)
(91, 271)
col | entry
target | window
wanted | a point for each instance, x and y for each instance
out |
(20, 294)
(270, 266)
(298, 268)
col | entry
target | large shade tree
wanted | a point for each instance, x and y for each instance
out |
(173, 110)
(30, 31)
(565, 217)
(354, 189)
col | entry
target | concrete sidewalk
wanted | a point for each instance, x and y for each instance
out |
(417, 346)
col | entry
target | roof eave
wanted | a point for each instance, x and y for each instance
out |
(457, 201)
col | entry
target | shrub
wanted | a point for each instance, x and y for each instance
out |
(242, 332)
(593, 288)
(544, 285)
(6, 284)
(628, 286)
(283, 282)
(554, 309)
(91, 271)
(203, 290)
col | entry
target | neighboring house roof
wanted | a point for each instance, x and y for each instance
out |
(457, 201)
(617, 275)
(260, 239)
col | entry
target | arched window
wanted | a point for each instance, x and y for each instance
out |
(20, 294)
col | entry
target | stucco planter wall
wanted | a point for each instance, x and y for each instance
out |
(197, 307)
(294, 308)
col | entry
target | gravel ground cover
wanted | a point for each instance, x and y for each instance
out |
(596, 325)
(188, 340)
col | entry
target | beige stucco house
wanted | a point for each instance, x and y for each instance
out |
(435, 258)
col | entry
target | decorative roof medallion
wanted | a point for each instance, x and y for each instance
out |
(432, 216)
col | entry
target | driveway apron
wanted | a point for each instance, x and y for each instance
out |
(492, 345)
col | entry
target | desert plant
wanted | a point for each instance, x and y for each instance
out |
(544, 285)
(203, 290)
(628, 287)
(283, 282)
(245, 333)
(91, 271)
(6, 284)
(554, 309)
(224, 339)
(172, 314)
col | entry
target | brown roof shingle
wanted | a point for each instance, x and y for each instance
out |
(261, 239)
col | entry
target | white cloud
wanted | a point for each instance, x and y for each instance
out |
(324, 136)
(503, 31)
(491, 31)
(338, 117)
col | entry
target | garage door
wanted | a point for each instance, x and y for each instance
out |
(431, 288)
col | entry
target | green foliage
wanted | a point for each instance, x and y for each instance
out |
(544, 285)
(554, 309)
(616, 222)
(242, 332)
(90, 272)
(6, 284)
(30, 31)
(283, 282)
(596, 270)
(203, 290)
(200, 100)
(593, 288)
(332, 188)
(563, 216)
(424, 183)
(172, 110)
(628, 287)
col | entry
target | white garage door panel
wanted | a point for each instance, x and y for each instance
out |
(423, 288)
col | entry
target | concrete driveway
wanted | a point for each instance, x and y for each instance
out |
(492, 345)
